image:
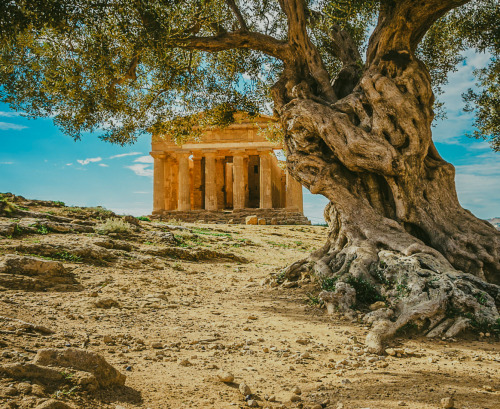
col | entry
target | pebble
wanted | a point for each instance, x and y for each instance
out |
(296, 390)
(245, 389)
(226, 377)
(157, 345)
(184, 362)
(302, 341)
(295, 398)
(252, 403)
(447, 403)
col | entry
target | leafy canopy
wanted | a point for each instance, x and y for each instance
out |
(124, 67)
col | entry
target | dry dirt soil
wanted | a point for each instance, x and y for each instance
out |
(172, 305)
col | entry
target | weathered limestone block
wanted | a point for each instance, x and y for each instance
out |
(251, 220)
(31, 273)
(262, 221)
(81, 360)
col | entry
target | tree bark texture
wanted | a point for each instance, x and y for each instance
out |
(395, 222)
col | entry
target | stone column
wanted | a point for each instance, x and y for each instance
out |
(210, 184)
(293, 194)
(238, 181)
(158, 178)
(220, 181)
(229, 184)
(184, 203)
(197, 183)
(266, 197)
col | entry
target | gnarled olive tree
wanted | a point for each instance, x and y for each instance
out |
(356, 130)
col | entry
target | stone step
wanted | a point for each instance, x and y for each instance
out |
(280, 216)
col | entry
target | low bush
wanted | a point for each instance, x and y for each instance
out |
(113, 225)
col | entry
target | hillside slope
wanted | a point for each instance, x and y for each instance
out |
(173, 307)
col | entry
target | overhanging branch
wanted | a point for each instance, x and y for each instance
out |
(237, 39)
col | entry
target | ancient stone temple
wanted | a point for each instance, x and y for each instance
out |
(224, 176)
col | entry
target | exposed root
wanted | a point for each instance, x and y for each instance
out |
(417, 290)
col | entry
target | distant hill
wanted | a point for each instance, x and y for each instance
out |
(495, 222)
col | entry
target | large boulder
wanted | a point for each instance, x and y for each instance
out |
(31, 273)
(81, 360)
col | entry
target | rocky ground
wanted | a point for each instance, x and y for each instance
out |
(101, 312)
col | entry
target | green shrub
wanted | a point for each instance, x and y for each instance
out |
(59, 203)
(41, 229)
(74, 209)
(64, 255)
(113, 225)
(6, 207)
(143, 218)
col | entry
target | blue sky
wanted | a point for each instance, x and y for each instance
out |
(39, 162)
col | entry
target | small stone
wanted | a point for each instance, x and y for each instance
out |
(296, 390)
(295, 398)
(10, 391)
(377, 306)
(302, 341)
(402, 403)
(390, 351)
(226, 377)
(317, 406)
(272, 398)
(382, 364)
(265, 349)
(106, 303)
(184, 362)
(447, 403)
(262, 221)
(252, 403)
(107, 339)
(157, 345)
(24, 387)
(305, 355)
(245, 389)
(252, 317)
(488, 388)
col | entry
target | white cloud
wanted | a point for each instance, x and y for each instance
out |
(477, 186)
(88, 160)
(69, 164)
(6, 126)
(452, 129)
(145, 159)
(6, 163)
(103, 165)
(121, 155)
(7, 114)
(141, 170)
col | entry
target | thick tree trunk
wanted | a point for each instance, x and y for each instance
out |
(396, 226)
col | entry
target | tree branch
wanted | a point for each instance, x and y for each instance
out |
(237, 39)
(403, 23)
(343, 46)
(298, 38)
(237, 13)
